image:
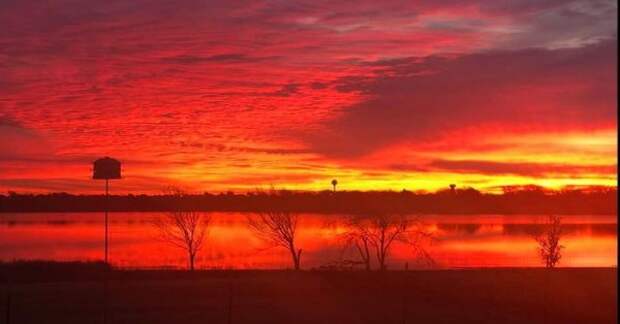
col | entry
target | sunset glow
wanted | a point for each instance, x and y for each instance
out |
(458, 241)
(308, 161)
(216, 96)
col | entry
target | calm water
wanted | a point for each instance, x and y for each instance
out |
(458, 241)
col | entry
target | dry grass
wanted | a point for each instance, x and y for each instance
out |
(450, 296)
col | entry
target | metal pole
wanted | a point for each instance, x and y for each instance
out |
(105, 274)
(105, 296)
(8, 304)
(106, 221)
(230, 300)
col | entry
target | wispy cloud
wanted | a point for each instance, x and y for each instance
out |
(334, 86)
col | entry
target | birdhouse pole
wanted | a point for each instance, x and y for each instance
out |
(107, 227)
(106, 168)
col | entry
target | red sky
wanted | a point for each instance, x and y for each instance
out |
(233, 95)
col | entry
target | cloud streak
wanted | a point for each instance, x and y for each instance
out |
(222, 94)
(421, 99)
(525, 169)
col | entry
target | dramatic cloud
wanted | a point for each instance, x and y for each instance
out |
(420, 99)
(218, 95)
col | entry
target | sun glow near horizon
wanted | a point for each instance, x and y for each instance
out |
(416, 98)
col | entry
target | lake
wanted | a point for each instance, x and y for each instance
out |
(456, 241)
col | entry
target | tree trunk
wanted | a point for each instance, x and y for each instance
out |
(381, 252)
(382, 266)
(366, 256)
(381, 260)
(191, 261)
(296, 257)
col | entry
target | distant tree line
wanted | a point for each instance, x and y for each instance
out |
(521, 200)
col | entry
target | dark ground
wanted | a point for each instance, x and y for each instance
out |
(440, 296)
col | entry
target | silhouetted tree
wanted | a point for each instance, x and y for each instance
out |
(385, 230)
(358, 236)
(334, 184)
(379, 233)
(184, 229)
(277, 228)
(452, 188)
(549, 246)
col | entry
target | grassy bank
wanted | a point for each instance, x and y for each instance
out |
(445, 296)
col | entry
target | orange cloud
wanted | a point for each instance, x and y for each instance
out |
(382, 95)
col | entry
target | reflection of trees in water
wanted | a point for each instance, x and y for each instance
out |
(468, 229)
(567, 229)
(59, 222)
(527, 229)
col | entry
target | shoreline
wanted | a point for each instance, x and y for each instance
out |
(52, 271)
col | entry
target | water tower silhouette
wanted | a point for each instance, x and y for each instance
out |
(334, 184)
(106, 169)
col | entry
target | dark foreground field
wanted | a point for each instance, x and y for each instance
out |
(450, 296)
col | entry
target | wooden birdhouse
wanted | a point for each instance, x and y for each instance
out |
(107, 168)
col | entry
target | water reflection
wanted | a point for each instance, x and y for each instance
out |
(459, 241)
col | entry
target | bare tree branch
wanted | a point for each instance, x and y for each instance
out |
(378, 234)
(277, 228)
(186, 230)
(549, 246)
